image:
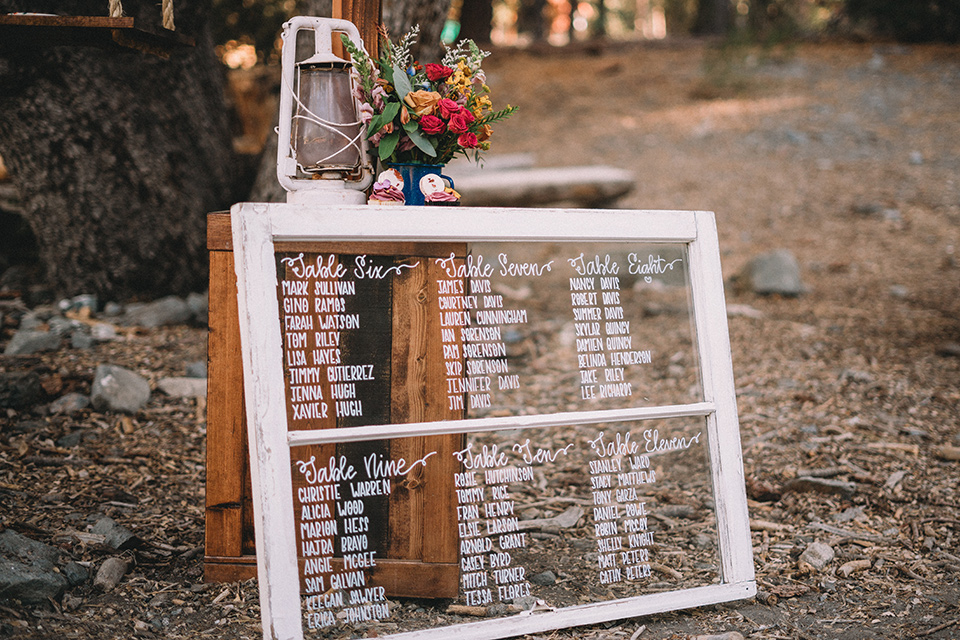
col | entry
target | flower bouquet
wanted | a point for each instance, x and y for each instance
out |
(424, 113)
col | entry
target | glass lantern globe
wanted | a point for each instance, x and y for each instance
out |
(326, 132)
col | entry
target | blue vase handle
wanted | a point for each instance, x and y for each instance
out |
(448, 179)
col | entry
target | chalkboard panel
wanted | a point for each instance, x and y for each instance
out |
(582, 358)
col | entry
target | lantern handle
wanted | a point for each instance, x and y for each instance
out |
(324, 29)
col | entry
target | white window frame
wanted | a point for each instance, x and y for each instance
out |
(257, 227)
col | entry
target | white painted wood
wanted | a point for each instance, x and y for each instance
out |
(433, 224)
(723, 430)
(256, 227)
(266, 416)
(586, 614)
(478, 425)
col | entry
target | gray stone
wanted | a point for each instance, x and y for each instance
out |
(162, 312)
(103, 332)
(118, 389)
(30, 321)
(197, 369)
(544, 579)
(777, 272)
(25, 342)
(110, 573)
(81, 340)
(70, 440)
(199, 304)
(112, 309)
(816, 556)
(19, 389)
(69, 404)
(28, 570)
(64, 326)
(76, 574)
(115, 535)
(729, 635)
(899, 291)
(183, 387)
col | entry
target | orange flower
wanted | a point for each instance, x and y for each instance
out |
(484, 133)
(422, 102)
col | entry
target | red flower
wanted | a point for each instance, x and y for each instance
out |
(468, 140)
(432, 125)
(460, 122)
(448, 107)
(438, 72)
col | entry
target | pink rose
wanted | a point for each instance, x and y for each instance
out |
(438, 72)
(448, 107)
(468, 140)
(432, 125)
(460, 122)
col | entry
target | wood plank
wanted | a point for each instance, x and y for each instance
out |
(401, 578)
(226, 440)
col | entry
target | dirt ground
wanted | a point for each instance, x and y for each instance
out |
(846, 155)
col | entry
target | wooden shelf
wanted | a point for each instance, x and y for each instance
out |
(27, 32)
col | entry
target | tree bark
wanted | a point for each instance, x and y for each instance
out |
(476, 21)
(117, 155)
(400, 15)
(714, 17)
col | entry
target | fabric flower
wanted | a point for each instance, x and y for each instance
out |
(460, 122)
(422, 102)
(437, 72)
(484, 133)
(448, 107)
(432, 125)
(468, 140)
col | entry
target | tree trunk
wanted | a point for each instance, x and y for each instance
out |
(118, 155)
(476, 21)
(714, 18)
(400, 15)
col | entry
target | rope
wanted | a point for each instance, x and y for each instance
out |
(116, 9)
(168, 15)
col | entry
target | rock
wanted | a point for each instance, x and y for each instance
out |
(821, 485)
(199, 304)
(816, 556)
(25, 342)
(19, 389)
(197, 369)
(75, 573)
(81, 340)
(162, 312)
(69, 404)
(777, 272)
(729, 635)
(103, 332)
(899, 291)
(110, 573)
(64, 326)
(115, 535)
(118, 389)
(183, 387)
(112, 309)
(544, 579)
(28, 570)
(916, 158)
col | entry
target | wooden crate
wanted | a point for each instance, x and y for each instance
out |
(418, 554)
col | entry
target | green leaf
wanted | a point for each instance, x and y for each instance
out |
(388, 143)
(422, 142)
(390, 112)
(401, 82)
